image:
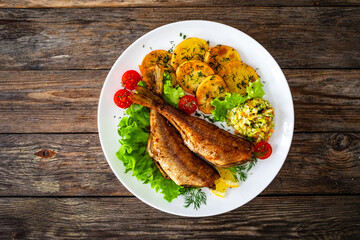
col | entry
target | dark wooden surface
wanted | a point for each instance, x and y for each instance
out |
(54, 57)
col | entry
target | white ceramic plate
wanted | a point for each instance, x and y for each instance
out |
(277, 93)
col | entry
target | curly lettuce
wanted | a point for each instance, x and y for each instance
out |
(231, 100)
(172, 95)
(134, 133)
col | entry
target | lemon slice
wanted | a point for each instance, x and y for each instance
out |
(221, 188)
(227, 176)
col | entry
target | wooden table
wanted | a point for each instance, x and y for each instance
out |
(54, 179)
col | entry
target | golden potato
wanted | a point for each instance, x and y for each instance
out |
(190, 74)
(237, 76)
(189, 49)
(211, 87)
(220, 55)
(156, 57)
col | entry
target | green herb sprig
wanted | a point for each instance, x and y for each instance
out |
(241, 172)
(193, 196)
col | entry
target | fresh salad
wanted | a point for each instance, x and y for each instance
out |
(209, 82)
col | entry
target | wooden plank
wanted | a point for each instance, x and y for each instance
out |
(166, 3)
(317, 164)
(47, 101)
(325, 217)
(298, 37)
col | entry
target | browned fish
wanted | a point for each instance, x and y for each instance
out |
(169, 153)
(215, 145)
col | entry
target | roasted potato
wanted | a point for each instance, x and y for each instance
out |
(220, 55)
(157, 57)
(190, 74)
(189, 49)
(211, 87)
(237, 76)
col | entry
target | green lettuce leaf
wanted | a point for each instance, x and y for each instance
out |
(254, 90)
(231, 100)
(172, 95)
(222, 106)
(134, 133)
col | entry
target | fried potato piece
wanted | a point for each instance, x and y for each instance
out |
(190, 74)
(189, 49)
(220, 55)
(157, 57)
(237, 76)
(211, 87)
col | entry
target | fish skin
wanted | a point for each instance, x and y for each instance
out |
(166, 147)
(168, 151)
(213, 144)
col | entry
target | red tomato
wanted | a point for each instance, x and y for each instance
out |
(121, 98)
(262, 150)
(130, 79)
(188, 104)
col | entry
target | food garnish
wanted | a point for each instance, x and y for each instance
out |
(188, 104)
(262, 150)
(193, 196)
(227, 180)
(130, 79)
(220, 189)
(228, 177)
(121, 98)
(172, 95)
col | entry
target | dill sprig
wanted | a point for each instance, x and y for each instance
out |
(193, 196)
(241, 172)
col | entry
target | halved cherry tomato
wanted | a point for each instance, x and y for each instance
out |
(188, 104)
(121, 98)
(130, 79)
(262, 150)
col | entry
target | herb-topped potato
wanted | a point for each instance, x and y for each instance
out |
(211, 87)
(157, 57)
(190, 74)
(237, 76)
(152, 59)
(220, 55)
(189, 49)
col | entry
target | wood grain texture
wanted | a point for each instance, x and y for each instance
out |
(167, 3)
(324, 217)
(317, 164)
(93, 38)
(66, 101)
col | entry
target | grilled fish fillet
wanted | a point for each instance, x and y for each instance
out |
(213, 144)
(169, 153)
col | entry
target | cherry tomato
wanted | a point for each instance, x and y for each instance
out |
(188, 104)
(130, 79)
(121, 98)
(262, 150)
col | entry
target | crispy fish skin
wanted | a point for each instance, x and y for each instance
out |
(169, 153)
(166, 147)
(215, 145)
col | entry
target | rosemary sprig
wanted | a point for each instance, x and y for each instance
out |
(193, 196)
